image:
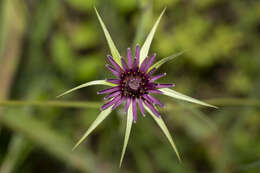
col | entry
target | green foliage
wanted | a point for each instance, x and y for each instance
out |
(62, 46)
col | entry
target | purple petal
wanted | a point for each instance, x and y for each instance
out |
(124, 64)
(116, 73)
(109, 90)
(129, 58)
(135, 64)
(111, 102)
(145, 96)
(155, 101)
(118, 68)
(150, 106)
(116, 93)
(141, 106)
(114, 81)
(117, 103)
(152, 71)
(137, 51)
(157, 77)
(164, 85)
(149, 63)
(137, 56)
(134, 110)
(154, 91)
(143, 64)
(127, 104)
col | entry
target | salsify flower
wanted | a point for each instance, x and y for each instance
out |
(133, 85)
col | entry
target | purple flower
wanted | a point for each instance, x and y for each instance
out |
(134, 84)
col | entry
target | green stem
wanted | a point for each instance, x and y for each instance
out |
(75, 104)
(86, 104)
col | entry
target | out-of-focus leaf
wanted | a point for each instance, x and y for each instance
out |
(88, 67)
(113, 49)
(177, 95)
(52, 141)
(146, 46)
(63, 54)
(96, 82)
(83, 5)
(84, 35)
(127, 131)
(165, 130)
(164, 60)
(18, 150)
(99, 119)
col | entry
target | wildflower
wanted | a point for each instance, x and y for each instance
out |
(133, 85)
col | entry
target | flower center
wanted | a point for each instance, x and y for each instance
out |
(134, 83)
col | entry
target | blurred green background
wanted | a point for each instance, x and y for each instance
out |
(49, 46)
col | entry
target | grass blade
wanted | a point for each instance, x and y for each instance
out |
(112, 47)
(95, 82)
(99, 119)
(127, 131)
(146, 46)
(177, 95)
(165, 130)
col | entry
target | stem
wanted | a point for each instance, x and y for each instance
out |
(86, 104)
(73, 104)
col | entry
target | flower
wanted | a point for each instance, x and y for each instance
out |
(134, 85)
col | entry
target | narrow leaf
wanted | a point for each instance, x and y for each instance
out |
(177, 95)
(164, 60)
(95, 82)
(99, 119)
(127, 131)
(146, 46)
(165, 130)
(112, 47)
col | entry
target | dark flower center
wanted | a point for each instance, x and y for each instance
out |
(133, 83)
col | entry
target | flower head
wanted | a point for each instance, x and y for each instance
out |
(134, 84)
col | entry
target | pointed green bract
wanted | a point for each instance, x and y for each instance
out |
(127, 131)
(112, 47)
(146, 46)
(165, 130)
(177, 95)
(95, 82)
(98, 120)
(164, 60)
